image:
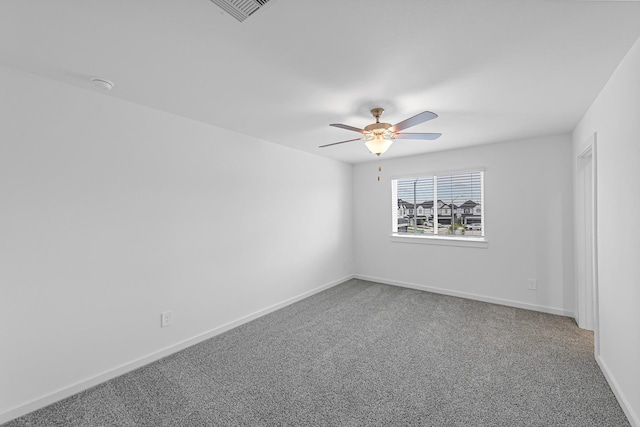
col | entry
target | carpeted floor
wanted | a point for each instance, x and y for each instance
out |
(359, 354)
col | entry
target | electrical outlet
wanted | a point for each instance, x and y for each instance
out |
(166, 319)
(533, 284)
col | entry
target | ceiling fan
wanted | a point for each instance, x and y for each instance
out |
(378, 136)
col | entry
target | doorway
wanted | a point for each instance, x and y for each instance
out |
(586, 241)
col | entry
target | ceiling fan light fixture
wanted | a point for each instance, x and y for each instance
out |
(378, 137)
(378, 144)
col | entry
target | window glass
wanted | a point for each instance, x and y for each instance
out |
(442, 205)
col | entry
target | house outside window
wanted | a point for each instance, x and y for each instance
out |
(443, 205)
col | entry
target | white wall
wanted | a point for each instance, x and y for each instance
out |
(528, 215)
(615, 116)
(112, 213)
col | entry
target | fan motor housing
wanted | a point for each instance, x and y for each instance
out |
(378, 128)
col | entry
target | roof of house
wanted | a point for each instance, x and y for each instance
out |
(469, 204)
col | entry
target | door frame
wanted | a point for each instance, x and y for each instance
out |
(587, 294)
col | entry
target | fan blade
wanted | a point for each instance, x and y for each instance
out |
(412, 121)
(341, 142)
(429, 136)
(347, 127)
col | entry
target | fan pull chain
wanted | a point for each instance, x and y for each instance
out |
(379, 170)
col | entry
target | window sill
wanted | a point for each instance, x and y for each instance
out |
(468, 242)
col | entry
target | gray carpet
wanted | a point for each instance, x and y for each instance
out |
(364, 354)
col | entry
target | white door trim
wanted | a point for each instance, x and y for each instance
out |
(586, 240)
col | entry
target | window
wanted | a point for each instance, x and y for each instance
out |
(446, 205)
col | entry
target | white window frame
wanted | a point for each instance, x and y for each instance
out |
(438, 239)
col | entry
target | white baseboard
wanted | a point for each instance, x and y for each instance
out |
(634, 420)
(145, 360)
(467, 295)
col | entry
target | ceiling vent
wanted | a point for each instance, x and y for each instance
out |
(240, 9)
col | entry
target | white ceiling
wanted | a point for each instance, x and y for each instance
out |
(493, 70)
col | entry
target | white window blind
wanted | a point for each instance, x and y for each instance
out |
(442, 204)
